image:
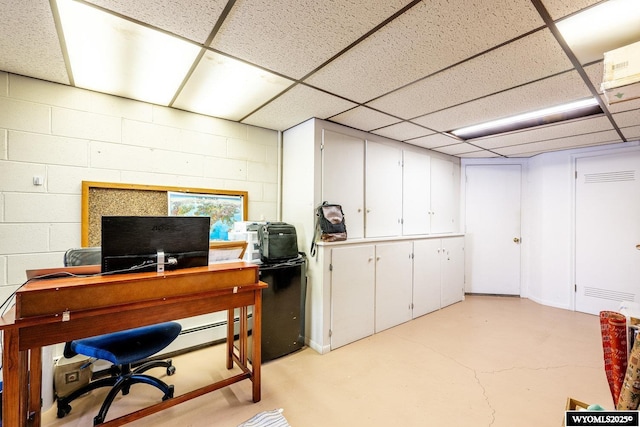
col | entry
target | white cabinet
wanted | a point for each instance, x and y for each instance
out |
(383, 190)
(343, 177)
(326, 161)
(352, 293)
(438, 273)
(378, 286)
(394, 279)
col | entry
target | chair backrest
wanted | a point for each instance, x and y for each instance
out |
(83, 256)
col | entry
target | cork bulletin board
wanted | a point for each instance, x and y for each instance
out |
(108, 198)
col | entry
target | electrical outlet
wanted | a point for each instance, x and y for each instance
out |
(71, 377)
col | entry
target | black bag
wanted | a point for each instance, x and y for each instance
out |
(330, 224)
(277, 241)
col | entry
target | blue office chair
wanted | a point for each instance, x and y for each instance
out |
(123, 349)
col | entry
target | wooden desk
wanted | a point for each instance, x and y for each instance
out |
(59, 310)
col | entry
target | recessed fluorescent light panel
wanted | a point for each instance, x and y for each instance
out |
(227, 88)
(573, 110)
(601, 28)
(112, 55)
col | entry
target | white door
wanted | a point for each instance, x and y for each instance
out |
(416, 193)
(426, 276)
(352, 294)
(343, 178)
(394, 277)
(607, 231)
(383, 190)
(492, 235)
(442, 200)
(452, 262)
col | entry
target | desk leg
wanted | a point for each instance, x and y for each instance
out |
(230, 336)
(257, 344)
(35, 386)
(244, 334)
(15, 385)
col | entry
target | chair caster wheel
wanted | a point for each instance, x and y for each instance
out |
(169, 393)
(171, 370)
(63, 410)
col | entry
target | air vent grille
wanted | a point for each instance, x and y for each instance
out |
(608, 294)
(593, 178)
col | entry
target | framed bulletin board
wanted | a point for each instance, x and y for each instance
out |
(109, 198)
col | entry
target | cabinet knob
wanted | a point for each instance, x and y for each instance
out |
(516, 240)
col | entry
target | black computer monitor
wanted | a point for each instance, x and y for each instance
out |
(139, 243)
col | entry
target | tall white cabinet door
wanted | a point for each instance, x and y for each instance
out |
(343, 178)
(442, 193)
(426, 276)
(452, 261)
(383, 190)
(416, 193)
(352, 294)
(393, 284)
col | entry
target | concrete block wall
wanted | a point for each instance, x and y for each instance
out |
(67, 135)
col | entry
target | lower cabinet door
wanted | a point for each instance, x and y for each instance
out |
(352, 294)
(426, 276)
(394, 278)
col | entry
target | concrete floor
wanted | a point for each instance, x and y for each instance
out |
(486, 361)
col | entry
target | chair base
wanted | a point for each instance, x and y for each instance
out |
(121, 380)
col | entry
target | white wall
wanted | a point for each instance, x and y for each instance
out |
(68, 135)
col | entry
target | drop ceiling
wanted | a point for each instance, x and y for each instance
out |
(408, 70)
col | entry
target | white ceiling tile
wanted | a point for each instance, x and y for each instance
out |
(631, 133)
(555, 90)
(296, 106)
(194, 22)
(29, 42)
(628, 118)
(227, 88)
(433, 141)
(544, 133)
(403, 131)
(618, 107)
(560, 8)
(523, 61)
(479, 154)
(431, 36)
(457, 149)
(595, 72)
(308, 32)
(561, 144)
(364, 118)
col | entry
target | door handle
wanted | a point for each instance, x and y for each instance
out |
(516, 240)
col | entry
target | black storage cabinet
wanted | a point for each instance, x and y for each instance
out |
(283, 307)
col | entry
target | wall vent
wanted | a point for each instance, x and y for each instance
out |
(608, 294)
(617, 176)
